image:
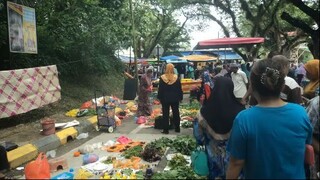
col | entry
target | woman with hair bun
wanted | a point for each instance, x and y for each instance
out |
(268, 141)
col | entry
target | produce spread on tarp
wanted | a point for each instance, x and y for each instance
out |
(136, 159)
(133, 159)
(124, 109)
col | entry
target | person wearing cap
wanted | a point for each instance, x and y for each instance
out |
(145, 89)
(240, 81)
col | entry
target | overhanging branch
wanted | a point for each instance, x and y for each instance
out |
(314, 14)
(296, 23)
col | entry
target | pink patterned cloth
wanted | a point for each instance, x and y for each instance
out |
(23, 90)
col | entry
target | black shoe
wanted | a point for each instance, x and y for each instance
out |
(165, 132)
(177, 130)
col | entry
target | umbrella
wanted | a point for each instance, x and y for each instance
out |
(163, 58)
(199, 58)
(176, 61)
(229, 42)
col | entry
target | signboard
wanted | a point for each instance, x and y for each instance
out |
(22, 29)
(156, 49)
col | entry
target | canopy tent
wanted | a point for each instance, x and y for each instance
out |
(227, 55)
(164, 58)
(228, 42)
(199, 58)
(176, 61)
(187, 53)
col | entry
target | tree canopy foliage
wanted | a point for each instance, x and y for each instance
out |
(260, 18)
(81, 36)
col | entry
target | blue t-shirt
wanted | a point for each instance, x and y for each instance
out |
(271, 141)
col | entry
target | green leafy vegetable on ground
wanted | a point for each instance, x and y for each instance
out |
(108, 160)
(193, 105)
(134, 151)
(177, 161)
(184, 144)
(182, 172)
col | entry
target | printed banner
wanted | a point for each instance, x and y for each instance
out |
(22, 29)
(23, 90)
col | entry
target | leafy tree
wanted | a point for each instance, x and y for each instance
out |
(80, 36)
(311, 10)
(241, 18)
(156, 24)
(251, 18)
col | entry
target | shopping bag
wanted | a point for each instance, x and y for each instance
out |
(199, 161)
(38, 169)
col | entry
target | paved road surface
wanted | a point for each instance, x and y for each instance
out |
(128, 128)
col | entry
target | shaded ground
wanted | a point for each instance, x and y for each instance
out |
(26, 127)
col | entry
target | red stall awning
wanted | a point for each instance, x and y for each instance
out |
(229, 42)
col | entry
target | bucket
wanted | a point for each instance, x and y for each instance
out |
(48, 126)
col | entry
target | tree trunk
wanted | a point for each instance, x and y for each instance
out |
(315, 42)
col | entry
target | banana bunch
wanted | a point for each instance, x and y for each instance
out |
(72, 113)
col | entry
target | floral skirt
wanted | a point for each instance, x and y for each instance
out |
(218, 159)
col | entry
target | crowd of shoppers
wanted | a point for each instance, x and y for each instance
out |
(268, 139)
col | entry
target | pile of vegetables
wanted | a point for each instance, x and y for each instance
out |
(182, 172)
(134, 151)
(124, 174)
(184, 145)
(190, 110)
(177, 161)
(154, 150)
(191, 106)
(109, 160)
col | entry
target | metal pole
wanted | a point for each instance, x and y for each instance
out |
(158, 56)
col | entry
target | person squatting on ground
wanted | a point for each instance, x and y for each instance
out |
(268, 141)
(214, 123)
(170, 94)
(145, 89)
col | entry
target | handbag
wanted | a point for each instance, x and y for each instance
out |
(38, 169)
(199, 161)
